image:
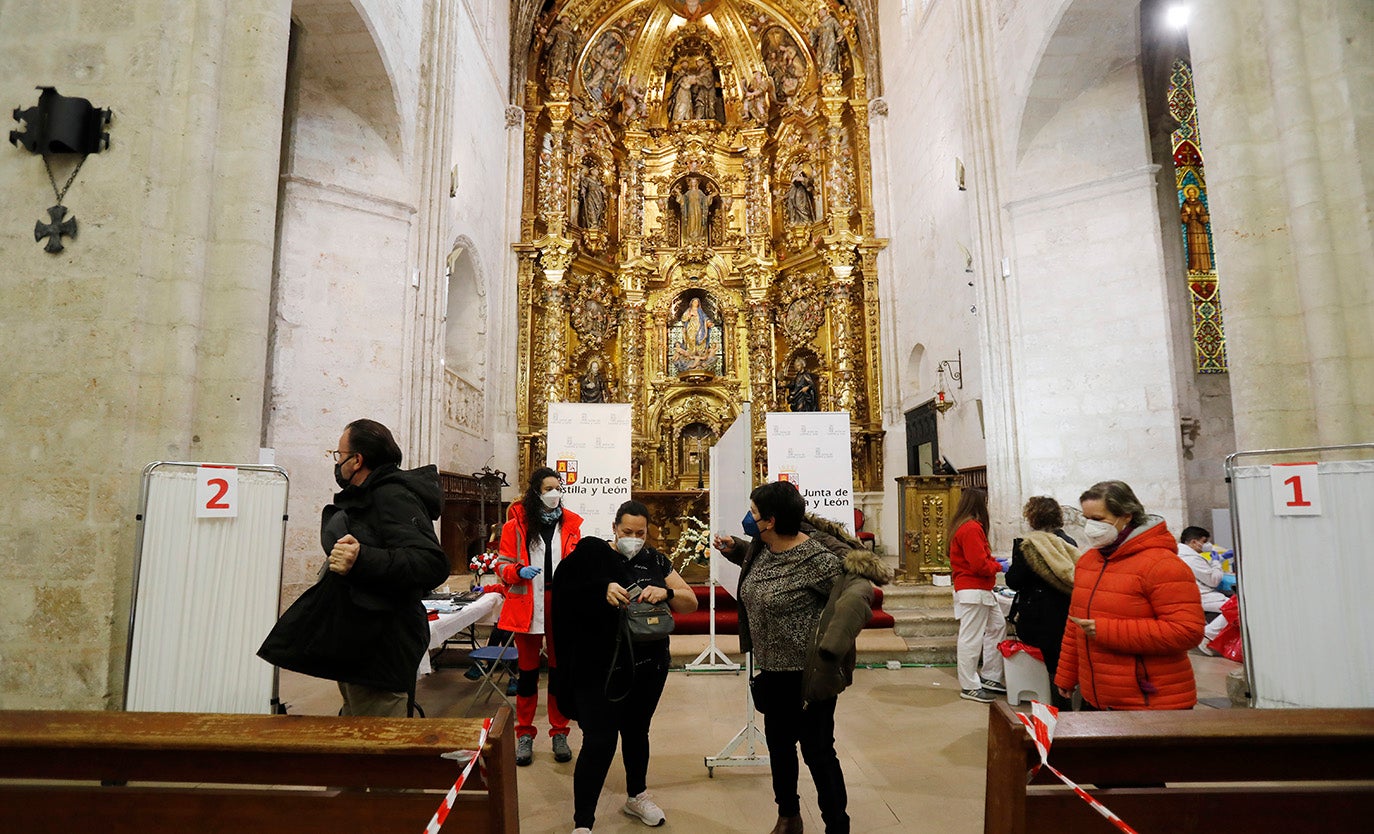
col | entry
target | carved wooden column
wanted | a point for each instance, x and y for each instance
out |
(839, 159)
(858, 107)
(839, 254)
(555, 255)
(632, 347)
(553, 169)
(633, 220)
(758, 212)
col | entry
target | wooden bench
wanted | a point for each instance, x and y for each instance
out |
(1281, 770)
(260, 774)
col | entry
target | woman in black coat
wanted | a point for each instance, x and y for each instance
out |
(1041, 573)
(607, 685)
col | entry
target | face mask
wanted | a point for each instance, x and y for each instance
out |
(629, 546)
(551, 498)
(1099, 533)
(339, 476)
(751, 527)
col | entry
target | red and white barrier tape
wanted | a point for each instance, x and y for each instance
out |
(1041, 722)
(437, 821)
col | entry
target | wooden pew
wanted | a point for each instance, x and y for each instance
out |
(260, 774)
(1281, 770)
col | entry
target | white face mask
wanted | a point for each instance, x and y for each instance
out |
(1099, 533)
(629, 546)
(551, 498)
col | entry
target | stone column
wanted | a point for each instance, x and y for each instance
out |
(1286, 103)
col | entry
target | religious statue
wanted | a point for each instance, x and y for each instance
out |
(559, 55)
(591, 200)
(601, 67)
(695, 207)
(695, 353)
(758, 98)
(800, 202)
(1195, 218)
(631, 100)
(593, 386)
(694, 89)
(784, 63)
(827, 39)
(803, 395)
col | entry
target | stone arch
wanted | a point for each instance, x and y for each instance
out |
(916, 369)
(1088, 40)
(341, 55)
(465, 317)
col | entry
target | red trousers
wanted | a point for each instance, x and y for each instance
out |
(528, 646)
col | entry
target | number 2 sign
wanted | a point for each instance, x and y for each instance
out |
(217, 492)
(1295, 488)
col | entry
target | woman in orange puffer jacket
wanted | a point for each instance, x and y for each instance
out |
(1135, 610)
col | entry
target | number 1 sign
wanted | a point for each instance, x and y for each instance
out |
(217, 492)
(1295, 488)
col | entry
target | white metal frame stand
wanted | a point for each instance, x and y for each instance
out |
(749, 738)
(712, 659)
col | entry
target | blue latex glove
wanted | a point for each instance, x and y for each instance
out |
(529, 572)
(1228, 584)
(1005, 563)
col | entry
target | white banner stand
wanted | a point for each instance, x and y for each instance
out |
(729, 481)
(750, 739)
(1302, 525)
(811, 449)
(589, 447)
(207, 588)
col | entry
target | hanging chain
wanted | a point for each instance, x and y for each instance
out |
(62, 192)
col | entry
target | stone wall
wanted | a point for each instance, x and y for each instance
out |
(145, 338)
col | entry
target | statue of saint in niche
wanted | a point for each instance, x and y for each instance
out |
(828, 40)
(694, 91)
(1195, 217)
(803, 396)
(695, 341)
(593, 387)
(694, 206)
(559, 56)
(800, 202)
(591, 200)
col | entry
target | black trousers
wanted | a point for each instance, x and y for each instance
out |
(785, 725)
(626, 720)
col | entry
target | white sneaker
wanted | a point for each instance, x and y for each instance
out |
(644, 808)
(580, 830)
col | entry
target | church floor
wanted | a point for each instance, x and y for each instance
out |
(913, 753)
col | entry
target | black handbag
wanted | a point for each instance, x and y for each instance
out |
(647, 621)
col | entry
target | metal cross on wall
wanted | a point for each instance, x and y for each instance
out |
(55, 230)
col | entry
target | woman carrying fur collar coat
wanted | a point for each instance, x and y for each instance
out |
(1041, 573)
(832, 654)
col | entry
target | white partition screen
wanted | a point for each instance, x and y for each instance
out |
(207, 587)
(1303, 535)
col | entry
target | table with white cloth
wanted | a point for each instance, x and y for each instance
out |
(483, 610)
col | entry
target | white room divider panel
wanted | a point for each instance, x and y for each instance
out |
(1304, 535)
(207, 588)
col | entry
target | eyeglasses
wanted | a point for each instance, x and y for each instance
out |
(341, 455)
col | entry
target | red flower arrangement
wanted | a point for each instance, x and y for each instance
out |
(484, 562)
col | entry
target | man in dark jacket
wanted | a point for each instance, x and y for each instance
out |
(390, 557)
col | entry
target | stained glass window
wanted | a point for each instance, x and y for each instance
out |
(1209, 338)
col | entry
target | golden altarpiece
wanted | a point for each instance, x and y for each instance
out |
(697, 226)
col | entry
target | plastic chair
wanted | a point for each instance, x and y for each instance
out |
(868, 540)
(496, 663)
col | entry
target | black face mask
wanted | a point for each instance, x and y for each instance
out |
(339, 477)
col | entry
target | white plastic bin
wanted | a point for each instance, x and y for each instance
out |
(1026, 676)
